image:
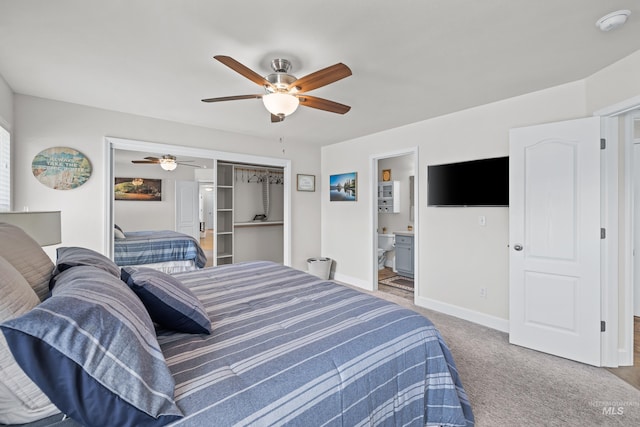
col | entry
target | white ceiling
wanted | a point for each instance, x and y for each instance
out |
(411, 59)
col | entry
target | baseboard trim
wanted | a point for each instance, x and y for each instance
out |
(353, 281)
(625, 358)
(483, 319)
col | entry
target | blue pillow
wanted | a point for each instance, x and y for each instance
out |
(169, 303)
(73, 256)
(92, 349)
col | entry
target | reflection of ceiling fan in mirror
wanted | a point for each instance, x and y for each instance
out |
(284, 92)
(166, 162)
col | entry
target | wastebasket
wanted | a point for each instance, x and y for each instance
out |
(320, 267)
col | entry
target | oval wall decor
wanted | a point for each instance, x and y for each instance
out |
(61, 168)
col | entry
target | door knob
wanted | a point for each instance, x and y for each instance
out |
(517, 247)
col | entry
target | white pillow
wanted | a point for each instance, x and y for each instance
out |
(118, 234)
(21, 401)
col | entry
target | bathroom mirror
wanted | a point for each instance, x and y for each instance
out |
(411, 198)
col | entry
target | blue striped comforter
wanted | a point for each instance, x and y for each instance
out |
(148, 247)
(290, 349)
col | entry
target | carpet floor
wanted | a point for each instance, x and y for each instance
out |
(513, 386)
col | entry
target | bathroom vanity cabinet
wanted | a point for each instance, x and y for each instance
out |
(404, 254)
(389, 197)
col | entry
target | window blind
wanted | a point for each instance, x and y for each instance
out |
(5, 170)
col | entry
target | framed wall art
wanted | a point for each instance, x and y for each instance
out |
(140, 189)
(343, 187)
(61, 168)
(306, 182)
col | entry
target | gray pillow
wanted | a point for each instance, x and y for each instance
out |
(21, 401)
(26, 256)
(92, 349)
(169, 303)
(75, 256)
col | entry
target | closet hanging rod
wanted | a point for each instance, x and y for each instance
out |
(259, 169)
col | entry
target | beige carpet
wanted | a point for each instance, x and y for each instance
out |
(512, 386)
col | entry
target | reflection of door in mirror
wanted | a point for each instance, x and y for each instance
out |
(411, 203)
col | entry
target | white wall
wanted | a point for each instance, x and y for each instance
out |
(41, 123)
(457, 256)
(613, 84)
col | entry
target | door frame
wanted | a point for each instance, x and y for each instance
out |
(113, 143)
(373, 220)
(625, 352)
(616, 352)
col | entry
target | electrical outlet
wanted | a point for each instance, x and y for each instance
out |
(483, 292)
(482, 220)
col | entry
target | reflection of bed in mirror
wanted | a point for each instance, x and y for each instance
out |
(163, 250)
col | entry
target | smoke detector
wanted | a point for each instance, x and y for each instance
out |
(613, 20)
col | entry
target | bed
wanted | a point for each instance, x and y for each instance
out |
(165, 250)
(248, 344)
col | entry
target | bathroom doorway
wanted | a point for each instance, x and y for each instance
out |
(395, 225)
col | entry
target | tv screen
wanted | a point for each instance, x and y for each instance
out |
(476, 183)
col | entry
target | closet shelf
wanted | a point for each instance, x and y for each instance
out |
(257, 223)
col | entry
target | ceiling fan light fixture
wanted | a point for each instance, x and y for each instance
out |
(280, 104)
(168, 164)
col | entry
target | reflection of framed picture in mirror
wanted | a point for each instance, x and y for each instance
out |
(306, 182)
(140, 189)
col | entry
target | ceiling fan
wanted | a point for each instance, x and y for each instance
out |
(166, 162)
(284, 92)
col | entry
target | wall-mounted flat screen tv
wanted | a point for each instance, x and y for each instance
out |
(475, 183)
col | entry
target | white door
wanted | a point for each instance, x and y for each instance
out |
(554, 227)
(187, 208)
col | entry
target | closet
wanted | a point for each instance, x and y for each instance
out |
(249, 216)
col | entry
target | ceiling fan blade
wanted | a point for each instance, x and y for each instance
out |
(187, 164)
(321, 78)
(323, 104)
(276, 119)
(243, 70)
(232, 98)
(145, 162)
(155, 159)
